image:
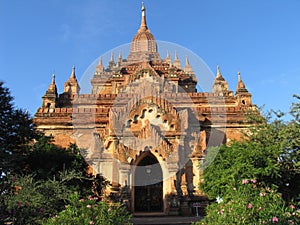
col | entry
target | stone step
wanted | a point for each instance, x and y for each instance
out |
(168, 220)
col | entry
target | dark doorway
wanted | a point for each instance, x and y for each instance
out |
(148, 189)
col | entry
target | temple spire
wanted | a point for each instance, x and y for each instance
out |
(71, 86)
(111, 62)
(188, 67)
(52, 87)
(100, 67)
(218, 71)
(120, 59)
(143, 26)
(239, 76)
(50, 97)
(176, 56)
(101, 61)
(112, 57)
(220, 85)
(168, 59)
(187, 63)
(168, 55)
(143, 46)
(242, 94)
(53, 79)
(241, 87)
(177, 61)
(73, 72)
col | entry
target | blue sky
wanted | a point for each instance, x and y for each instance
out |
(259, 38)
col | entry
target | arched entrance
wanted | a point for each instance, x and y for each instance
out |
(148, 185)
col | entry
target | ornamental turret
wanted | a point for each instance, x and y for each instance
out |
(100, 67)
(168, 59)
(111, 63)
(120, 59)
(188, 68)
(220, 85)
(71, 87)
(242, 94)
(50, 97)
(177, 63)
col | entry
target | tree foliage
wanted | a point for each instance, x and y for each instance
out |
(46, 160)
(16, 131)
(25, 150)
(37, 178)
(270, 156)
(28, 201)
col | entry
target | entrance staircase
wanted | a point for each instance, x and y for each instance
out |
(164, 220)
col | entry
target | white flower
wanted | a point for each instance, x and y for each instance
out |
(219, 200)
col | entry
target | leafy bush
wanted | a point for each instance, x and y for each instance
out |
(25, 201)
(251, 203)
(239, 161)
(271, 153)
(46, 160)
(241, 172)
(90, 211)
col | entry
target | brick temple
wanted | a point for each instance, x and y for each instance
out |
(144, 126)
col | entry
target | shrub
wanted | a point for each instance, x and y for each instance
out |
(25, 201)
(90, 211)
(251, 203)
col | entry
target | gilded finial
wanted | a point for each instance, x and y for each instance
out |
(143, 26)
(143, 6)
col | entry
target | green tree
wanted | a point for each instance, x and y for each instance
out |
(24, 150)
(270, 157)
(47, 161)
(36, 177)
(269, 154)
(282, 139)
(16, 131)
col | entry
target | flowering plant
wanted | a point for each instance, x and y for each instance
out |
(26, 201)
(251, 203)
(90, 210)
